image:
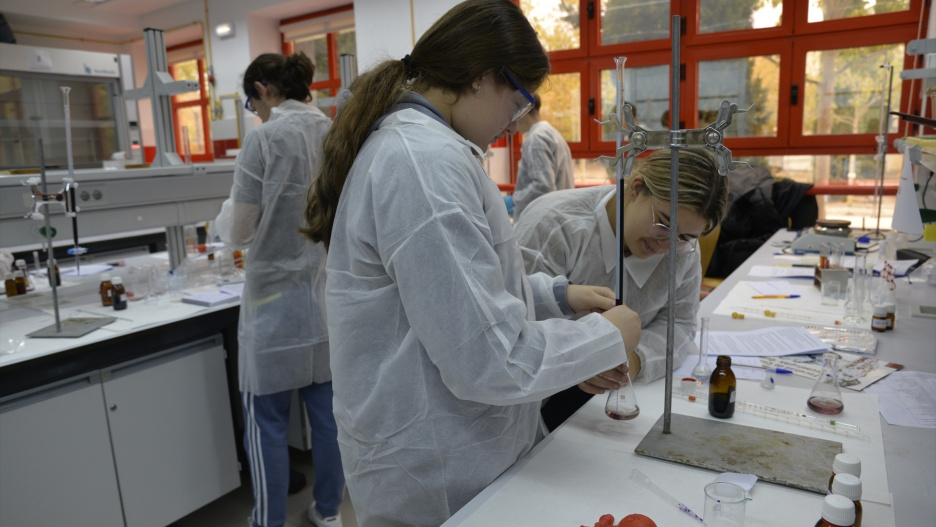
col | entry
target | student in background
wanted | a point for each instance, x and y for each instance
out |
(441, 351)
(282, 333)
(546, 162)
(572, 233)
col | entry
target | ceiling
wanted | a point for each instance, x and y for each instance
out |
(120, 21)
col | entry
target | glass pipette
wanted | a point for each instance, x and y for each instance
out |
(641, 479)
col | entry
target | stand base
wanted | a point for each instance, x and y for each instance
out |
(776, 457)
(73, 328)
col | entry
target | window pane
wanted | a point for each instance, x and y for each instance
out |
(845, 89)
(562, 101)
(741, 81)
(556, 22)
(347, 43)
(187, 70)
(316, 48)
(732, 15)
(859, 170)
(646, 88)
(820, 10)
(634, 20)
(590, 172)
(191, 118)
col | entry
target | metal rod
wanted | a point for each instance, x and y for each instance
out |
(619, 168)
(48, 234)
(674, 227)
(882, 148)
(71, 174)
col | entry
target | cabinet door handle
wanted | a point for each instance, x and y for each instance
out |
(113, 407)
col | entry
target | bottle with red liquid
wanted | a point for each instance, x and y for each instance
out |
(826, 396)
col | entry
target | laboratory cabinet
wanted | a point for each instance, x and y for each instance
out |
(141, 443)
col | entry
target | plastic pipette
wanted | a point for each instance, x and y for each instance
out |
(641, 479)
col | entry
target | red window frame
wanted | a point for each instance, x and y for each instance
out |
(203, 101)
(792, 39)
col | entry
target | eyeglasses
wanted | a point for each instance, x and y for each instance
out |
(522, 101)
(252, 95)
(660, 231)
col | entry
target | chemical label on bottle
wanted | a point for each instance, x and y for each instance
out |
(880, 324)
(733, 396)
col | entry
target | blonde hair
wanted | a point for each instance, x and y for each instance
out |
(700, 187)
(472, 39)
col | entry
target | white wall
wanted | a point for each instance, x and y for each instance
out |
(384, 28)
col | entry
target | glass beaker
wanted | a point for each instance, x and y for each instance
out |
(826, 396)
(725, 505)
(830, 293)
(853, 303)
(622, 403)
(702, 372)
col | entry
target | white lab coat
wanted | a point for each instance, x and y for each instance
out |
(282, 334)
(569, 233)
(439, 365)
(545, 165)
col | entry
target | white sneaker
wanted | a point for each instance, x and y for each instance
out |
(319, 521)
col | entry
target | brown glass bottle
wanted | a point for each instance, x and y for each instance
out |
(119, 294)
(10, 284)
(837, 511)
(107, 291)
(20, 280)
(722, 386)
(849, 486)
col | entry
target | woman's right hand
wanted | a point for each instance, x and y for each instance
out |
(628, 323)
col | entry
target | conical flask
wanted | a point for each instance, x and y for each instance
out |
(702, 372)
(826, 397)
(622, 403)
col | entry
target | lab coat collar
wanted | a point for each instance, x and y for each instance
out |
(639, 269)
(289, 105)
(415, 101)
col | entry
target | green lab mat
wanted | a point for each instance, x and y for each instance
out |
(776, 457)
(72, 327)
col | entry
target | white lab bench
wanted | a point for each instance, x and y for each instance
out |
(130, 425)
(582, 470)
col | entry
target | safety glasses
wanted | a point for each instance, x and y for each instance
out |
(660, 231)
(247, 106)
(521, 101)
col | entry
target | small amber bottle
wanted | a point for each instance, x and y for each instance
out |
(891, 317)
(722, 389)
(106, 290)
(837, 511)
(119, 294)
(10, 284)
(20, 279)
(21, 265)
(879, 321)
(849, 486)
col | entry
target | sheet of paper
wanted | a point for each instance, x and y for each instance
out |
(767, 342)
(781, 271)
(907, 398)
(86, 270)
(855, 372)
(775, 287)
(807, 309)
(737, 366)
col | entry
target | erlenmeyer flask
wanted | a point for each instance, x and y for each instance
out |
(702, 372)
(622, 403)
(826, 397)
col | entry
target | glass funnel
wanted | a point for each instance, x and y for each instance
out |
(702, 372)
(826, 396)
(622, 403)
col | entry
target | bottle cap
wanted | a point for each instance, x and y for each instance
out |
(890, 308)
(838, 510)
(846, 464)
(117, 280)
(880, 310)
(105, 277)
(17, 274)
(19, 262)
(847, 485)
(8, 276)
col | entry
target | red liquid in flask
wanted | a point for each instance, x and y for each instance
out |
(621, 416)
(825, 405)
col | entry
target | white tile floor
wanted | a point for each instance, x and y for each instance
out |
(233, 509)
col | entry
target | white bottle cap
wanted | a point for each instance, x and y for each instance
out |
(8, 276)
(846, 464)
(847, 485)
(19, 262)
(838, 510)
(105, 277)
(890, 308)
(117, 280)
(880, 310)
(17, 274)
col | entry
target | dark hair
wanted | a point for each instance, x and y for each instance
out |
(472, 39)
(289, 76)
(537, 102)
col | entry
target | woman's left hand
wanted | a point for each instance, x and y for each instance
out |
(589, 298)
